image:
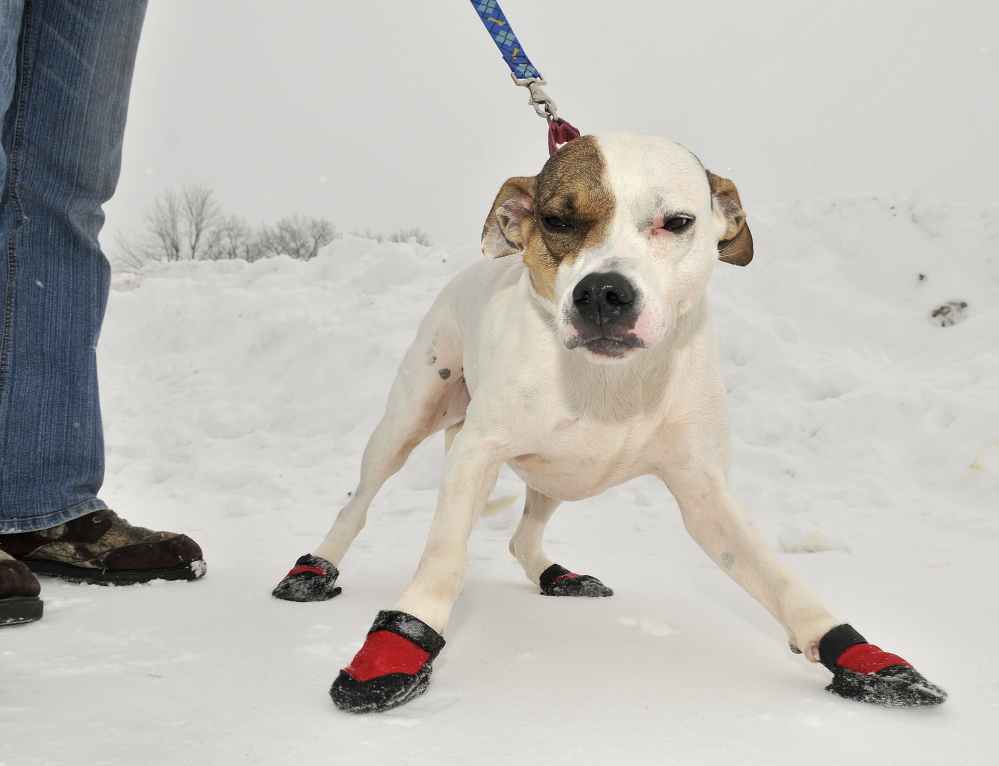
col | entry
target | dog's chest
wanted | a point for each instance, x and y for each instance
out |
(581, 457)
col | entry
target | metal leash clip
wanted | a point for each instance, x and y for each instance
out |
(541, 101)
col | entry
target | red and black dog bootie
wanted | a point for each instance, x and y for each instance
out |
(311, 579)
(861, 671)
(393, 666)
(559, 581)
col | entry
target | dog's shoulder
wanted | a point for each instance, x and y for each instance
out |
(476, 286)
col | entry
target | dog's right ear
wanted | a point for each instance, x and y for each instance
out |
(506, 228)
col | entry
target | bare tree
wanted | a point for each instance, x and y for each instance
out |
(164, 227)
(129, 255)
(200, 212)
(179, 227)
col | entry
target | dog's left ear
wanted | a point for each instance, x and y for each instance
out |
(505, 231)
(735, 243)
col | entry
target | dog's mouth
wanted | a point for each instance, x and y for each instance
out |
(610, 347)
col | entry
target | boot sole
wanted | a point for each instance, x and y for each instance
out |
(192, 571)
(20, 609)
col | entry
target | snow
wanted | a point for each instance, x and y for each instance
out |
(238, 398)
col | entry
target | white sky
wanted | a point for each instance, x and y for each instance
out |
(388, 115)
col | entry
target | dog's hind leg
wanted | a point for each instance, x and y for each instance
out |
(525, 545)
(449, 433)
(428, 394)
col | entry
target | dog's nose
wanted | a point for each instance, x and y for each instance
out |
(604, 298)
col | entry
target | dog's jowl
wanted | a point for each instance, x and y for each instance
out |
(595, 364)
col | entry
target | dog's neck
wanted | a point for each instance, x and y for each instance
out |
(635, 386)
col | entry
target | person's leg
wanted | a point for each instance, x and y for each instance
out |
(19, 589)
(62, 137)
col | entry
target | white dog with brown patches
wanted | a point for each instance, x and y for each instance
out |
(595, 364)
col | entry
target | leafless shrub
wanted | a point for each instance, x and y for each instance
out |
(414, 234)
(232, 238)
(296, 236)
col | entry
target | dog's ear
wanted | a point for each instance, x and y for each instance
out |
(735, 243)
(505, 231)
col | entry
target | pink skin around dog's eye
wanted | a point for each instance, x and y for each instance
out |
(671, 225)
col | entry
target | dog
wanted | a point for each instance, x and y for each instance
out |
(582, 354)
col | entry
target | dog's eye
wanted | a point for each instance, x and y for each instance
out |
(555, 223)
(677, 223)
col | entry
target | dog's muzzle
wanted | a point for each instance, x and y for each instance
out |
(606, 306)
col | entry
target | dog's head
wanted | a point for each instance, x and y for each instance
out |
(620, 233)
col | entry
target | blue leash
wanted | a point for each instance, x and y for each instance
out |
(523, 72)
(509, 46)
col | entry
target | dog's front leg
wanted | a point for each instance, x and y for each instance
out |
(469, 476)
(861, 670)
(717, 522)
(394, 664)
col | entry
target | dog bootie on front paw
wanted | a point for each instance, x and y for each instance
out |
(559, 581)
(861, 671)
(392, 667)
(311, 579)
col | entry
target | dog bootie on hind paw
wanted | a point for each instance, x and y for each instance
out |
(311, 579)
(393, 666)
(861, 671)
(559, 581)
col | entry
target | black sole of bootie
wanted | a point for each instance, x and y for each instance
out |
(377, 695)
(894, 686)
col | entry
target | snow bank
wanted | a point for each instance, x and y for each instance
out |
(238, 398)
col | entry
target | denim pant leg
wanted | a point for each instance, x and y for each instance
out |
(63, 123)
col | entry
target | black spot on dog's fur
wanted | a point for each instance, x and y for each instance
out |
(445, 373)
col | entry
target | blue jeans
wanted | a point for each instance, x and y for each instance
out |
(65, 72)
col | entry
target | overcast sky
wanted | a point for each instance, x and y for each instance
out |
(367, 112)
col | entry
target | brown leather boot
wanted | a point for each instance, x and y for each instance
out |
(104, 549)
(19, 590)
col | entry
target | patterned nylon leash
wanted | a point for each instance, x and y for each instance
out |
(524, 73)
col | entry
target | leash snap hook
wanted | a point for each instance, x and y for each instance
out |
(543, 104)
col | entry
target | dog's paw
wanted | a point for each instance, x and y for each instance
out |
(311, 579)
(392, 667)
(559, 581)
(861, 671)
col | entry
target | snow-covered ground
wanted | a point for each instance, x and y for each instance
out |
(238, 398)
